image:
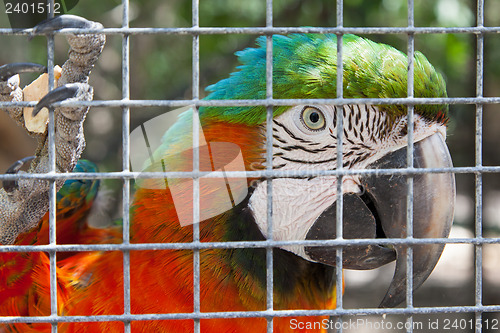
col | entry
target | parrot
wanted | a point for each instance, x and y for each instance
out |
(304, 208)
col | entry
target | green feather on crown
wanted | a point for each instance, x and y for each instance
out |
(305, 66)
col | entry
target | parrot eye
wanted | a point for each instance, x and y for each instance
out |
(313, 118)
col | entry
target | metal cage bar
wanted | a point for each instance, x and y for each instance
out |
(270, 30)
(269, 167)
(340, 155)
(270, 102)
(52, 188)
(478, 262)
(196, 166)
(409, 162)
(265, 173)
(126, 165)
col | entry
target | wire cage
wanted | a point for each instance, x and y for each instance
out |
(142, 74)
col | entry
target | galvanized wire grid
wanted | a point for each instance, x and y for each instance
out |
(126, 175)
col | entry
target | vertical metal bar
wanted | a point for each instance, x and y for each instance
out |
(125, 163)
(196, 166)
(52, 184)
(340, 154)
(269, 165)
(409, 198)
(479, 162)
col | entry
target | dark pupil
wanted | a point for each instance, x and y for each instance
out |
(314, 117)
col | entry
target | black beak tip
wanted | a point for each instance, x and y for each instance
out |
(393, 299)
(390, 302)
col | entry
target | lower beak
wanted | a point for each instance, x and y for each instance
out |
(381, 212)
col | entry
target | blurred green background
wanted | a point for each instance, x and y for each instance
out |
(161, 68)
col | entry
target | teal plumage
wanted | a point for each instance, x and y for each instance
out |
(305, 66)
(78, 192)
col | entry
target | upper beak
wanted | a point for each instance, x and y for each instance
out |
(381, 212)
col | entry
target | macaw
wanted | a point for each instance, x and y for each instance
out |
(303, 207)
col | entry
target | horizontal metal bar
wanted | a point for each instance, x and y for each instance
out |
(252, 314)
(249, 174)
(117, 103)
(265, 30)
(243, 244)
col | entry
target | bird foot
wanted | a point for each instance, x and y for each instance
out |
(24, 202)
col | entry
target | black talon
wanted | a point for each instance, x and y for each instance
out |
(10, 185)
(14, 168)
(59, 94)
(62, 22)
(10, 70)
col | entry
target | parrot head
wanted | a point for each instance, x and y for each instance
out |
(305, 138)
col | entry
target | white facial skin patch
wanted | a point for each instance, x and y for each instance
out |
(311, 144)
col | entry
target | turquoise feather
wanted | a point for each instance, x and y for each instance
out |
(70, 196)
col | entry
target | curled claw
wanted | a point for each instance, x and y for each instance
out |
(10, 70)
(14, 168)
(59, 94)
(65, 21)
(10, 185)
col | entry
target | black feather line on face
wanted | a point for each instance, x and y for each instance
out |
(278, 138)
(309, 162)
(290, 133)
(295, 147)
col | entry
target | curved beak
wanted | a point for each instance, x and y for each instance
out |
(381, 212)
